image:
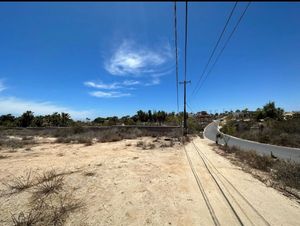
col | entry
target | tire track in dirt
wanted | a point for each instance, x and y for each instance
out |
(233, 193)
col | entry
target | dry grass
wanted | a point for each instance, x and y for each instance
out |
(28, 138)
(14, 143)
(145, 146)
(48, 175)
(261, 162)
(49, 186)
(21, 183)
(140, 143)
(50, 203)
(89, 174)
(30, 218)
(286, 173)
(52, 211)
(4, 156)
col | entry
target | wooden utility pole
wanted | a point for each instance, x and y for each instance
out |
(184, 108)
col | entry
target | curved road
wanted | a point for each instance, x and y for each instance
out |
(286, 153)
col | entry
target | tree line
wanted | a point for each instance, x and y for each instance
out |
(28, 119)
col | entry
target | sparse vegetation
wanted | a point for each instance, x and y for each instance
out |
(15, 143)
(20, 183)
(49, 186)
(285, 172)
(49, 205)
(266, 125)
(89, 174)
(32, 217)
(140, 143)
(4, 156)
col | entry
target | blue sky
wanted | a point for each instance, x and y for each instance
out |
(103, 59)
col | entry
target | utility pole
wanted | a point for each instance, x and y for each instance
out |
(185, 66)
(184, 109)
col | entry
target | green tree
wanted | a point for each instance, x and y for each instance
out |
(65, 119)
(26, 119)
(55, 119)
(7, 120)
(99, 120)
(150, 118)
(142, 116)
(38, 121)
(270, 111)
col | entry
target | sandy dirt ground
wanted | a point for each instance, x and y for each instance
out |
(122, 184)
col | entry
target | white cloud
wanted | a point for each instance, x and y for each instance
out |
(155, 81)
(102, 94)
(12, 105)
(130, 82)
(2, 86)
(133, 60)
(102, 85)
(115, 85)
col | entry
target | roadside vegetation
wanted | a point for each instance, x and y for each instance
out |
(266, 125)
(281, 174)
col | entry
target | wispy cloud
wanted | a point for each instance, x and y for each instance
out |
(131, 59)
(102, 94)
(12, 105)
(115, 85)
(2, 86)
(155, 81)
(102, 85)
(131, 82)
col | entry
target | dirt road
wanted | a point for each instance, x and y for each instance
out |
(233, 197)
(122, 184)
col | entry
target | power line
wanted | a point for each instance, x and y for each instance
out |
(215, 47)
(225, 45)
(187, 104)
(176, 53)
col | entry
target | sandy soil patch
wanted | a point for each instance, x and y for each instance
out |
(144, 181)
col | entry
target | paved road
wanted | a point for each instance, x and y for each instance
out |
(281, 152)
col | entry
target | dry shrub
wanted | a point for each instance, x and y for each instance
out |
(75, 139)
(145, 146)
(51, 211)
(48, 175)
(151, 146)
(256, 161)
(89, 174)
(4, 156)
(21, 183)
(288, 173)
(59, 211)
(27, 138)
(32, 217)
(12, 143)
(50, 203)
(251, 158)
(169, 143)
(140, 143)
(87, 141)
(109, 136)
(65, 140)
(49, 186)
(185, 139)
(285, 172)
